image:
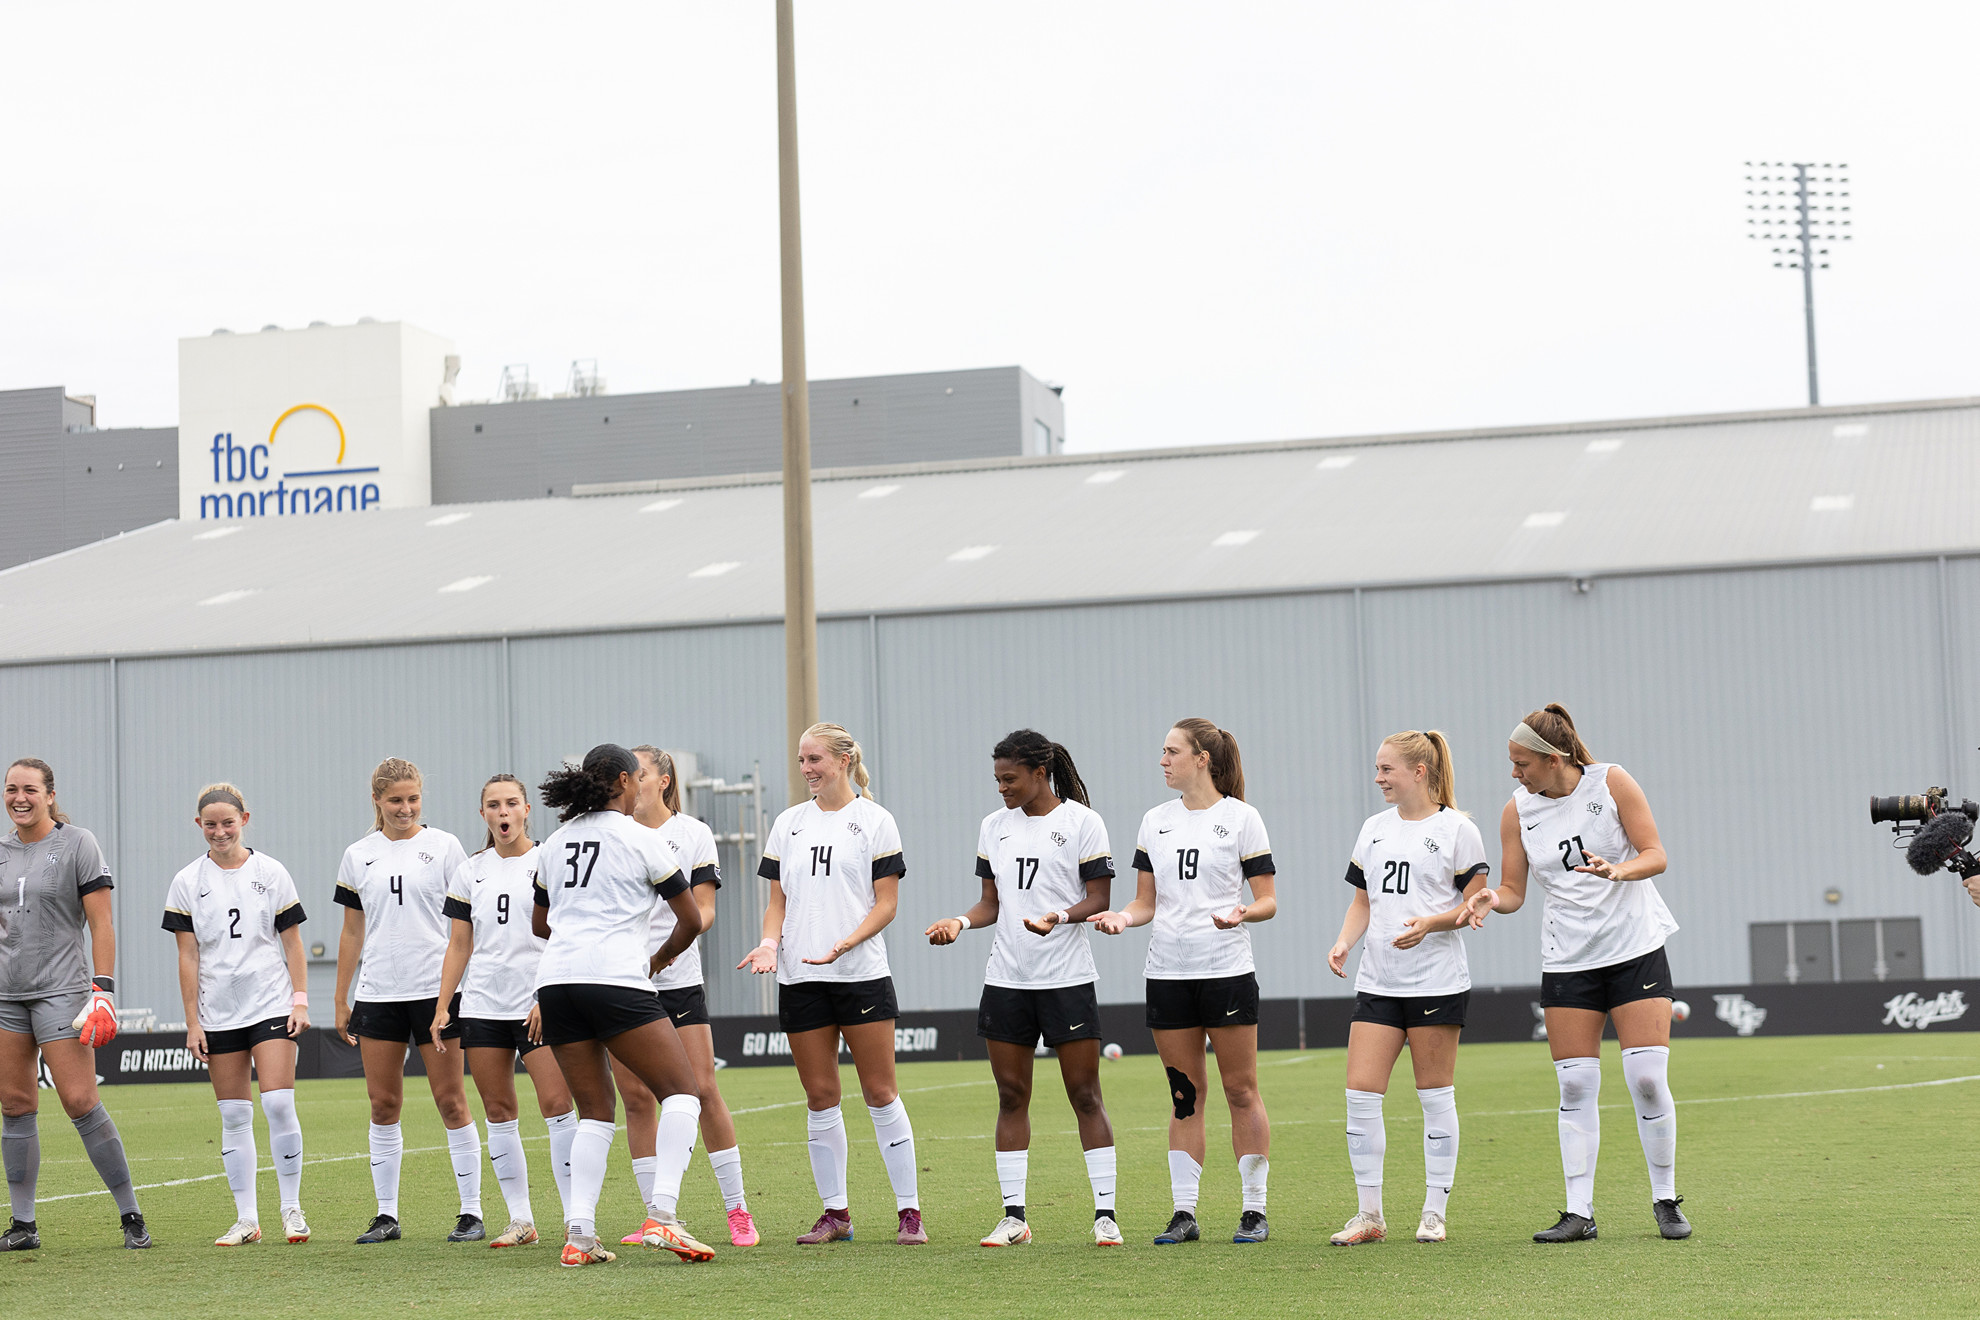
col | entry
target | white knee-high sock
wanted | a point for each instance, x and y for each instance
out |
(1185, 1177)
(1368, 1143)
(285, 1143)
(388, 1145)
(464, 1149)
(505, 1152)
(563, 1131)
(1252, 1171)
(1581, 1130)
(238, 1157)
(728, 1176)
(1013, 1167)
(1100, 1171)
(673, 1147)
(1646, 1069)
(1440, 1146)
(643, 1167)
(825, 1142)
(896, 1136)
(591, 1150)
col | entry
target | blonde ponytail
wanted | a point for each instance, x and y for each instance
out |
(1432, 751)
(840, 743)
(390, 771)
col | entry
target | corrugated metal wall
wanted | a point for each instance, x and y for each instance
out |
(68, 488)
(1758, 708)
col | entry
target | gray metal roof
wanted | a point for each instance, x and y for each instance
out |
(1809, 484)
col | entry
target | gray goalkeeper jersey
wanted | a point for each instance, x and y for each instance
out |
(42, 947)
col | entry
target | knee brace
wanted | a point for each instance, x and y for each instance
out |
(1182, 1093)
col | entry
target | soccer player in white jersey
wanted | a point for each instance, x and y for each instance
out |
(393, 887)
(679, 985)
(54, 891)
(836, 860)
(238, 921)
(492, 955)
(1045, 867)
(595, 890)
(1585, 829)
(1412, 868)
(1193, 857)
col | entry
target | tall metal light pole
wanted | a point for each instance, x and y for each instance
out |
(800, 604)
(1804, 210)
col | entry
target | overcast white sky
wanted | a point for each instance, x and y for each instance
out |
(1212, 222)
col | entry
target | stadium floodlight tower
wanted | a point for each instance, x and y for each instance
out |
(1803, 207)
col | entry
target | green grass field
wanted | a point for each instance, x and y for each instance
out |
(1822, 1180)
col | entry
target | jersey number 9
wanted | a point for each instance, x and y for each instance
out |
(501, 909)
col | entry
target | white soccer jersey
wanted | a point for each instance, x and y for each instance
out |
(237, 918)
(400, 887)
(1588, 922)
(599, 875)
(1414, 868)
(827, 862)
(494, 895)
(693, 846)
(1041, 864)
(1200, 860)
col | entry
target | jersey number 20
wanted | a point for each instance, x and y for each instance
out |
(1396, 874)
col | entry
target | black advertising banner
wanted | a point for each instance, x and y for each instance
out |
(1851, 1008)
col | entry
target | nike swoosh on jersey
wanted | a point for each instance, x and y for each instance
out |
(1534, 826)
(1165, 831)
(1002, 837)
(1373, 842)
(797, 831)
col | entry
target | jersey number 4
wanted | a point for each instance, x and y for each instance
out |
(1027, 871)
(575, 850)
(1395, 877)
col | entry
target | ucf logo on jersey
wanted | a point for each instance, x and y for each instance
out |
(1430, 845)
(1220, 831)
(1058, 838)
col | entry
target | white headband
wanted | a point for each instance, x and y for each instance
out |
(1527, 738)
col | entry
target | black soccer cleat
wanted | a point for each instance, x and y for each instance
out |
(468, 1228)
(1572, 1228)
(384, 1228)
(136, 1237)
(1670, 1220)
(1252, 1227)
(20, 1237)
(1182, 1228)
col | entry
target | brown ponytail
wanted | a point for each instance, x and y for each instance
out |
(390, 771)
(489, 842)
(1554, 724)
(1433, 752)
(1226, 766)
(663, 764)
(47, 773)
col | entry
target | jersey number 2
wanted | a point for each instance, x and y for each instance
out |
(574, 850)
(1569, 847)
(234, 925)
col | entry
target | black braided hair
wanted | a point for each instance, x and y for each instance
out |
(1035, 751)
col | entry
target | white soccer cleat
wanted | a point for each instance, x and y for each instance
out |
(1009, 1232)
(1106, 1233)
(1431, 1229)
(1364, 1227)
(294, 1227)
(243, 1232)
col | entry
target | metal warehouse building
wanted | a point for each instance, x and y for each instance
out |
(1766, 617)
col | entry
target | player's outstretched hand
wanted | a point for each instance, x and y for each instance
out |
(1230, 920)
(1042, 925)
(1337, 959)
(761, 959)
(343, 1021)
(1110, 923)
(946, 931)
(196, 1041)
(1598, 867)
(838, 951)
(1487, 900)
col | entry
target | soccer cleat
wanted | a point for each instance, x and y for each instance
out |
(20, 1237)
(519, 1233)
(579, 1251)
(468, 1228)
(1182, 1228)
(294, 1226)
(242, 1233)
(136, 1238)
(1009, 1232)
(384, 1228)
(1430, 1228)
(1107, 1233)
(1252, 1227)
(1363, 1228)
(742, 1229)
(638, 1235)
(1571, 1228)
(912, 1234)
(673, 1236)
(1670, 1220)
(832, 1226)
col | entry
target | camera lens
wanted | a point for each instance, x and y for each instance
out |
(1905, 806)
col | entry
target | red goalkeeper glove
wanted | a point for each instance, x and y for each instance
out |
(98, 1019)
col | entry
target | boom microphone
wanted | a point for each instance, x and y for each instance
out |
(1938, 840)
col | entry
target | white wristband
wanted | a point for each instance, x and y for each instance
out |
(1065, 918)
(965, 923)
